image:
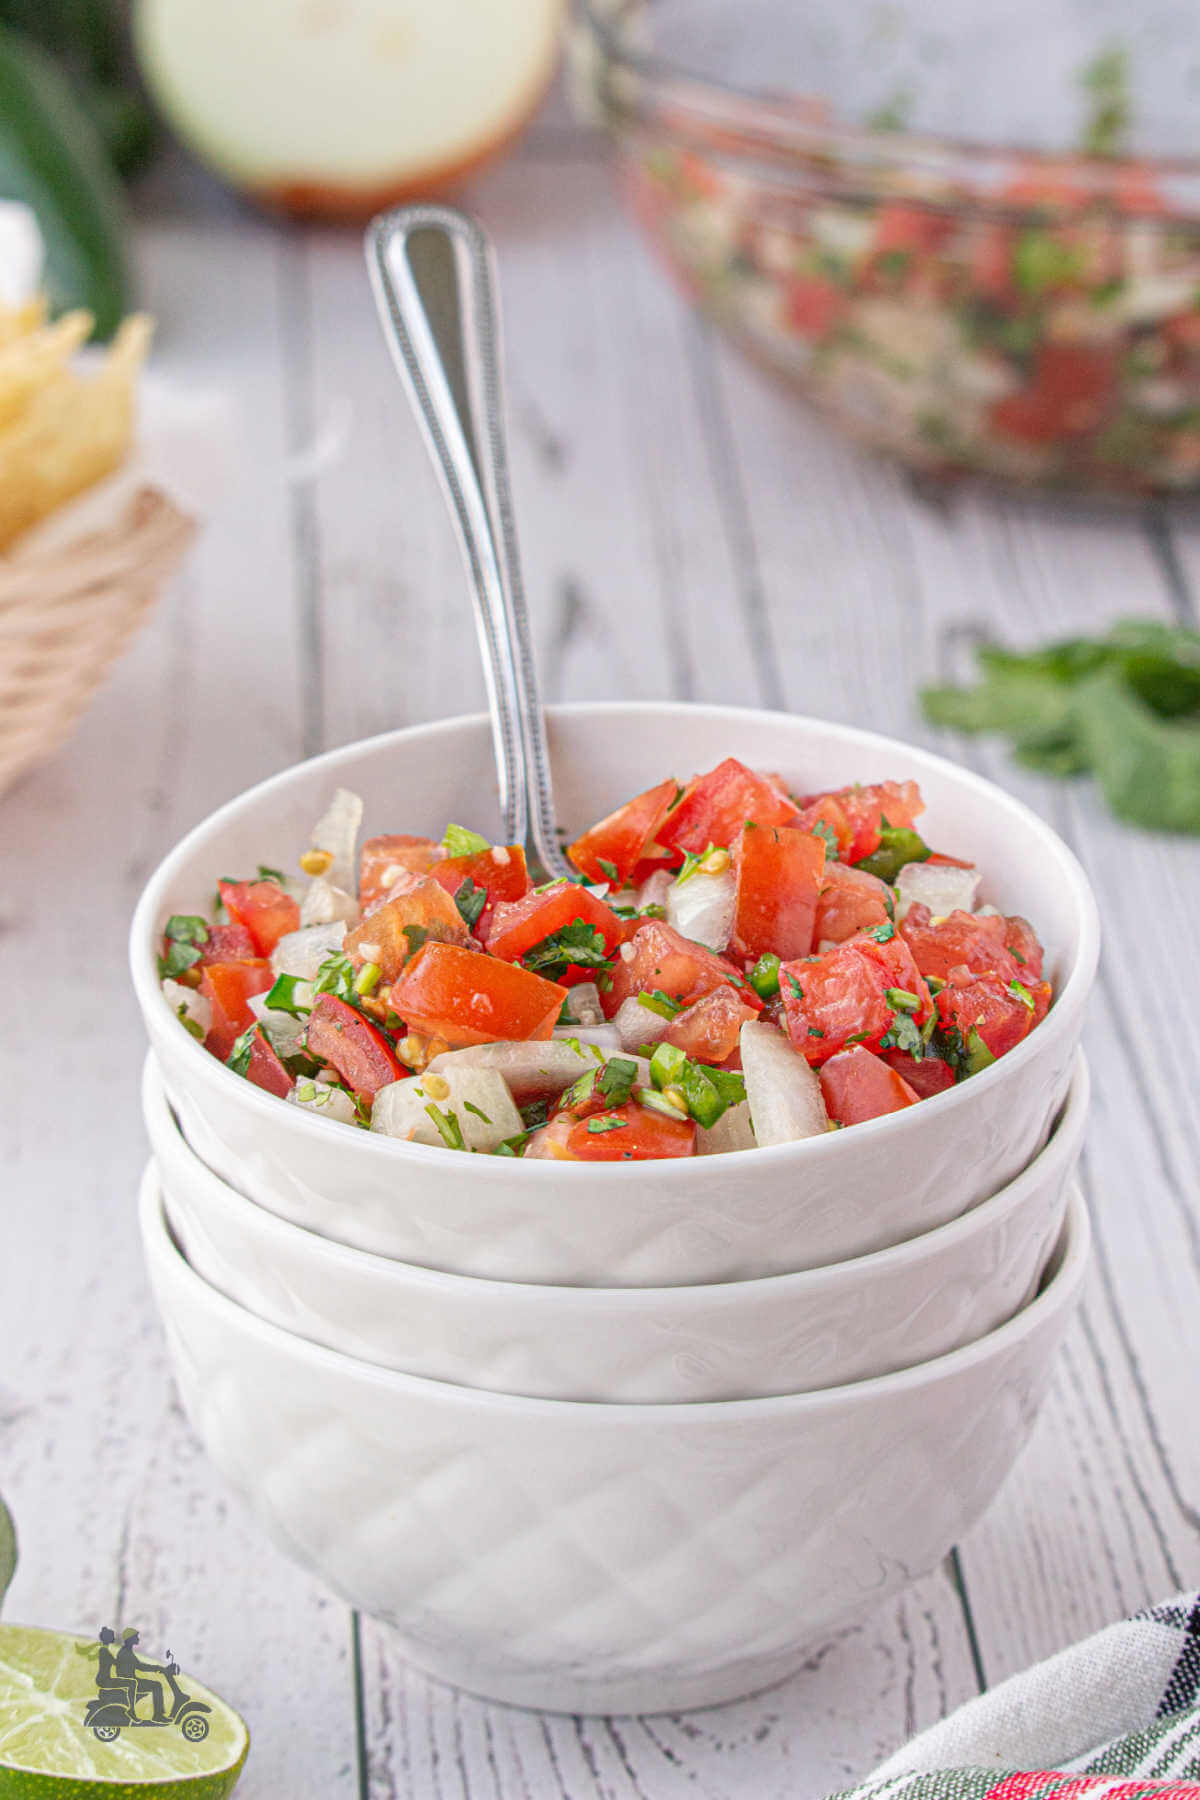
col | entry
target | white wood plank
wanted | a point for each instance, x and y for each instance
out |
(121, 1519)
(861, 1695)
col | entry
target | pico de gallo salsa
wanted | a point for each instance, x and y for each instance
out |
(736, 965)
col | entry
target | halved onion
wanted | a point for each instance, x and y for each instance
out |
(939, 886)
(322, 107)
(784, 1094)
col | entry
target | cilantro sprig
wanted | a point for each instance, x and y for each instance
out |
(577, 945)
(185, 933)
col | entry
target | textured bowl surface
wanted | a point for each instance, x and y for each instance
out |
(718, 1218)
(785, 1334)
(605, 1558)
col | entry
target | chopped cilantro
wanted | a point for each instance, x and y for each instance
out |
(336, 976)
(577, 944)
(239, 1057)
(416, 935)
(797, 990)
(184, 932)
(824, 830)
(1023, 994)
(470, 901)
(859, 1037)
(815, 1031)
(282, 997)
(615, 1080)
(458, 841)
(266, 873)
(469, 1106)
(655, 1001)
(1016, 954)
(448, 1127)
(610, 870)
(905, 1035)
(603, 1122)
(691, 862)
(883, 934)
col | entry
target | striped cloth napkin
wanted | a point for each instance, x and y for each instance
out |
(1117, 1716)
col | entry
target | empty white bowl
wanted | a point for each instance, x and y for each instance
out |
(784, 1334)
(718, 1218)
(592, 1558)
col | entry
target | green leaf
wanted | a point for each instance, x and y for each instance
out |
(470, 901)
(239, 1057)
(52, 158)
(1124, 706)
(8, 1548)
(576, 944)
(615, 1080)
(458, 841)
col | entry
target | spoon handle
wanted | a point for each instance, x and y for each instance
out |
(433, 277)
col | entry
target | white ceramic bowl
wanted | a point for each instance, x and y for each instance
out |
(784, 1334)
(591, 1558)
(717, 1218)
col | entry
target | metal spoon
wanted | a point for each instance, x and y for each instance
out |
(433, 274)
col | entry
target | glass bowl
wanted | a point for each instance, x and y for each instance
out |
(971, 238)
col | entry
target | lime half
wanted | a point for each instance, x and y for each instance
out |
(47, 1752)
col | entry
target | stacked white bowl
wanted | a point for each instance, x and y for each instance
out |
(604, 1438)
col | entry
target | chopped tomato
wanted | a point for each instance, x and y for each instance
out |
(622, 839)
(1021, 941)
(902, 226)
(926, 1077)
(1072, 388)
(265, 1070)
(842, 995)
(339, 1035)
(228, 988)
(778, 872)
(263, 908)
(856, 1085)
(417, 908)
(962, 940)
(659, 957)
(518, 925)
(715, 806)
(227, 943)
(500, 871)
(708, 1029)
(812, 305)
(850, 901)
(383, 860)
(468, 997)
(630, 1133)
(993, 1006)
(856, 814)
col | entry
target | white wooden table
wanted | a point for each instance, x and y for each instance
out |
(688, 531)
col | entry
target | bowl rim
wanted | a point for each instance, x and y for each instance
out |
(1071, 995)
(1073, 1249)
(767, 122)
(1061, 1148)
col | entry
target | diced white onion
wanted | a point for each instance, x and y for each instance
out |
(939, 886)
(583, 1004)
(784, 1094)
(196, 1006)
(702, 908)
(337, 832)
(602, 1037)
(330, 1102)
(401, 1109)
(302, 952)
(533, 1071)
(732, 1131)
(284, 1031)
(654, 890)
(636, 1024)
(324, 904)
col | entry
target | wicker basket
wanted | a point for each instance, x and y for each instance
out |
(67, 612)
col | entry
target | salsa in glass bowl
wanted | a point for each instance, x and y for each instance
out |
(972, 238)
